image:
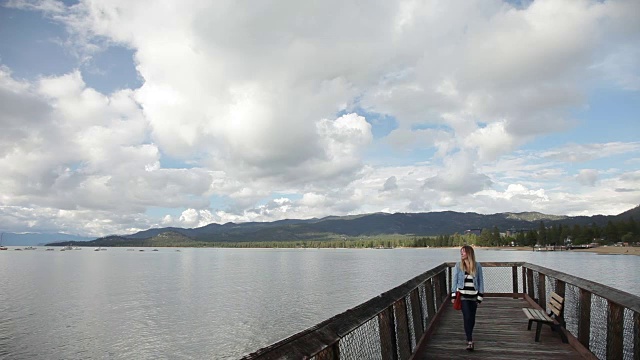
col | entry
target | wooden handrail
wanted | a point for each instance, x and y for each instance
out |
(319, 337)
(619, 297)
(492, 264)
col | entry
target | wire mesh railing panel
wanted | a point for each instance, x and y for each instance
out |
(549, 286)
(497, 280)
(412, 330)
(636, 334)
(423, 305)
(362, 343)
(536, 292)
(629, 333)
(572, 308)
(434, 297)
(520, 280)
(598, 333)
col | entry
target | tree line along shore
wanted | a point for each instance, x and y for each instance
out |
(621, 232)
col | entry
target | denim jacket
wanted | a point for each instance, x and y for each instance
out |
(457, 281)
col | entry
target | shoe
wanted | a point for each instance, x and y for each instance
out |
(470, 346)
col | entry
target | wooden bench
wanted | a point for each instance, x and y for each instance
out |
(553, 318)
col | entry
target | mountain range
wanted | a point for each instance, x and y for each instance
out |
(376, 224)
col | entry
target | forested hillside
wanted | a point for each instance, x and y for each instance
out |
(392, 230)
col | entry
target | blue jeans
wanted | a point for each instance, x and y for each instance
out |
(469, 308)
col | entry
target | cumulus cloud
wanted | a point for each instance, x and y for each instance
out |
(195, 218)
(499, 63)
(491, 141)
(458, 177)
(71, 148)
(253, 100)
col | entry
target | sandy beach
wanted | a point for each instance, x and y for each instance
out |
(611, 250)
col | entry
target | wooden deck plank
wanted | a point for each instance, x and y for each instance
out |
(500, 333)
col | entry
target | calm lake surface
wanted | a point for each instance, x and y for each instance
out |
(215, 303)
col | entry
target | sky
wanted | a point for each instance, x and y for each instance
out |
(118, 116)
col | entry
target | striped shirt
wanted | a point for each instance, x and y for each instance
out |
(469, 291)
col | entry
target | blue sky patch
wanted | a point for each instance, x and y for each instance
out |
(31, 45)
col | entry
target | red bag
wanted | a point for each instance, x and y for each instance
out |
(457, 303)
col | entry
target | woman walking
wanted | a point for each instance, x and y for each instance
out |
(468, 280)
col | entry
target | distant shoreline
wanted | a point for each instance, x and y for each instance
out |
(604, 250)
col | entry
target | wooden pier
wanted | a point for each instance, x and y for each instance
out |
(416, 321)
(500, 333)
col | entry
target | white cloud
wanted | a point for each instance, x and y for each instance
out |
(491, 141)
(47, 6)
(195, 218)
(587, 177)
(82, 151)
(406, 139)
(390, 184)
(587, 152)
(458, 177)
(254, 100)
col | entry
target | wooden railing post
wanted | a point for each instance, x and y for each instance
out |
(404, 341)
(542, 291)
(388, 345)
(560, 288)
(584, 322)
(514, 276)
(615, 326)
(450, 276)
(416, 314)
(330, 353)
(524, 280)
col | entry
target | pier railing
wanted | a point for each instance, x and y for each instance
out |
(396, 323)
(603, 319)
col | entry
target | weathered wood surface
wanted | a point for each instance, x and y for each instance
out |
(535, 314)
(500, 333)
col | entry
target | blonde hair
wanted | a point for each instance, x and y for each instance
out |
(471, 257)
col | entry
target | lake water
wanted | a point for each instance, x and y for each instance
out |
(215, 303)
